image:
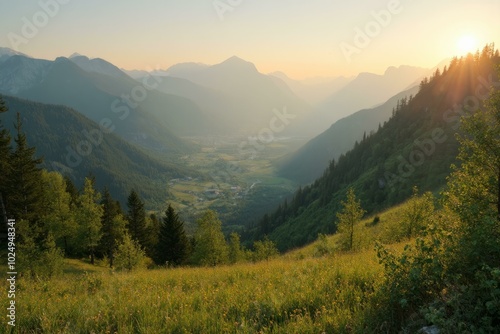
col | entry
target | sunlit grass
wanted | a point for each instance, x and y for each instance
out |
(280, 296)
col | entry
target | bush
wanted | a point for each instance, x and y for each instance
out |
(129, 255)
(322, 247)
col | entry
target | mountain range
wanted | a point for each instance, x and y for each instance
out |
(155, 112)
(415, 147)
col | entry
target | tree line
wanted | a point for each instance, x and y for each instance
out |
(54, 219)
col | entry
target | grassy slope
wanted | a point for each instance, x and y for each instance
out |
(296, 293)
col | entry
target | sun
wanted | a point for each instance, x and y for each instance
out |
(466, 44)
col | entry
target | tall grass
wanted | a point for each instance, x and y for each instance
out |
(281, 296)
(296, 293)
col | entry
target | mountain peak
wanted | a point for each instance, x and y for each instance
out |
(9, 52)
(76, 55)
(235, 62)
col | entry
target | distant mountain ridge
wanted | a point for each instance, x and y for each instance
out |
(147, 121)
(367, 90)
(309, 162)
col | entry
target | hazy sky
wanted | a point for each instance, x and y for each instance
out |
(302, 38)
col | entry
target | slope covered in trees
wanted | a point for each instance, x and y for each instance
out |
(414, 148)
(58, 132)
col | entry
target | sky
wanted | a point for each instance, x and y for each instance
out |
(302, 38)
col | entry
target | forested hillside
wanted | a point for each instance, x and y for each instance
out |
(414, 148)
(58, 132)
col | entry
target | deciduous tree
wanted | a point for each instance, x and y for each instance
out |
(88, 215)
(350, 214)
(210, 245)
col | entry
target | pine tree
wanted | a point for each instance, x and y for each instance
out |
(350, 214)
(89, 213)
(153, 233)
(5, 166)
(71, 190)
(113, 227)
(173, 244)
(136, 217)
(25, 189)
(210, 245)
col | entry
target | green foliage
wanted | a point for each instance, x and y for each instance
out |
(236, 252)
(58, 212)
(278, 296)
(350, 214)
(113, 227)
(173, 244)
(37, 257)
(322, 247)
(5, 166)
(417, 213)
(210, 246)
(451, 275)
(473, 308)
(129, 254)
(25, 189)
(88, 215)
(136, 217)
(264, 250)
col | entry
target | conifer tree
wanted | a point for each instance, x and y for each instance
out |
(173, 244)
(25, 188)
(153, 233)
(71, 190)
(113, 227)
(5, 167)
(136, 217)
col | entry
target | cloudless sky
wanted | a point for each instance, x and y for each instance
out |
(299, 37)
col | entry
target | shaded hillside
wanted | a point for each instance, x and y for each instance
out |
(57, 130)
(309, 162)
(415, 147)
(148, 120)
